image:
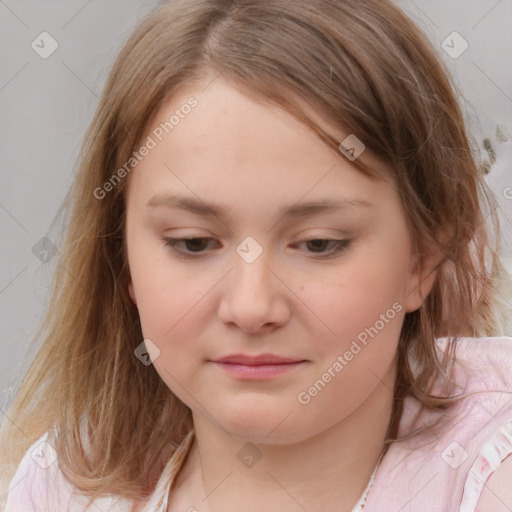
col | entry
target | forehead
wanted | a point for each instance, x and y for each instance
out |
(229, 126)
(230, 143)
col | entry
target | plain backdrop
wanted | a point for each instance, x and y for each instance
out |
(47, 103)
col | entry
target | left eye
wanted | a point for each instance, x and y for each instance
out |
(173, 242)
(196, 245)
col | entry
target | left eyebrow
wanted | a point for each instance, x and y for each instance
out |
(199, 207)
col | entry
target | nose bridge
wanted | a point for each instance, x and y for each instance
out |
(251, 296)
(251, 267)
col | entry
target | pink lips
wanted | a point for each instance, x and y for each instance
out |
(263, 366)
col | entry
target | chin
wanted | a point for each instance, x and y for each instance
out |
(270, 427)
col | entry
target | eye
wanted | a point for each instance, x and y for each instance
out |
(196, 246)
(318, 243)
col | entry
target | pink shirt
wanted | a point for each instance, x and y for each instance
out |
(440, 470)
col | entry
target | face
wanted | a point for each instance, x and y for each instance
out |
(327, 288)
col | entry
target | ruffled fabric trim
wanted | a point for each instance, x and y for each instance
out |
(359, 506)
(492, 454)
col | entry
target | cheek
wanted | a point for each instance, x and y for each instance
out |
(173, 317)
(168, 295)
(364, 312)
(357, 293)
(172, 313)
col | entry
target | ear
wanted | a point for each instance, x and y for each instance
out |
(131, 291)
(422, 277)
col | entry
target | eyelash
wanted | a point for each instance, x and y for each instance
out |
(339, 246)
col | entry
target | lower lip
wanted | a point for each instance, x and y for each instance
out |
(264, 371)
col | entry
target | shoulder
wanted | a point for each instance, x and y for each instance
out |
(483, 382)
(480, 349)
(482, 427)
(40, 486)
(461, 455)
(27, 487)
(482, 364)
(472, 349)
(482, 417)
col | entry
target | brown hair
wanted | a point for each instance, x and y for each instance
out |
(369, 71)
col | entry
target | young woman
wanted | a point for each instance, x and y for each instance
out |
(278, 286)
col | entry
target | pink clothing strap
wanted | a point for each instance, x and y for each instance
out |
(492, 454)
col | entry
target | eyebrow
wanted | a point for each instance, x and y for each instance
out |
(199, 207)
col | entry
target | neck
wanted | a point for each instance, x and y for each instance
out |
(330, 470)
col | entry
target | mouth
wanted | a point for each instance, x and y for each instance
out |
(257, 360)
(265, 366)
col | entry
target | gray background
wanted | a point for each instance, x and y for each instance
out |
(46, 105)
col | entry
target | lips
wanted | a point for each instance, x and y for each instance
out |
(261, 367)
(259, 360)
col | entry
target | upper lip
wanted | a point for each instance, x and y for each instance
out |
(260, 359)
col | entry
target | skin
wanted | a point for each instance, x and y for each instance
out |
(254, 159)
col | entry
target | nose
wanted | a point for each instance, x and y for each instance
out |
(254, 297)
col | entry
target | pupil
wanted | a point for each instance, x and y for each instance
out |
(317, 243)
(192, 242)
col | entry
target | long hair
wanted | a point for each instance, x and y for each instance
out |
(366, 68)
